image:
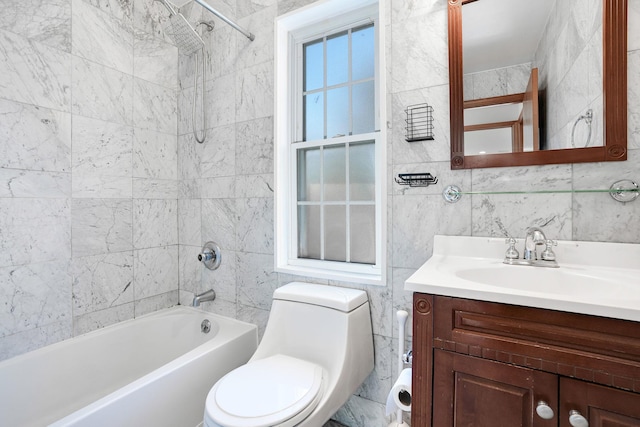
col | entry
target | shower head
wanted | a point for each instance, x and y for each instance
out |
(183, 35)
(181, 32)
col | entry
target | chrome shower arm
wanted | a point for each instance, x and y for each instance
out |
(225, 19)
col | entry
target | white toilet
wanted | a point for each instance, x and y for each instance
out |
(316, 350)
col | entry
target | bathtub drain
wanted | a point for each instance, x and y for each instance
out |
(205, 326)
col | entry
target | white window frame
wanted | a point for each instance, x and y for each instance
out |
(292, 30)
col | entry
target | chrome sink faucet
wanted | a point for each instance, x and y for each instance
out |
(534, 237)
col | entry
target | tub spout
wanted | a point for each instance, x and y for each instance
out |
(209, 295)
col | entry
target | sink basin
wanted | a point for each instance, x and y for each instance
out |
(593, 278)
(557, 281)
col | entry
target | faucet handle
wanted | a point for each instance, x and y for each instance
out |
(210, 255)
(548, 254)
(512, 252)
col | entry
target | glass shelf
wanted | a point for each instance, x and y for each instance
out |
(622, 191)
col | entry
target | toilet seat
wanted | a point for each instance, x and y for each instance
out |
(278, 390)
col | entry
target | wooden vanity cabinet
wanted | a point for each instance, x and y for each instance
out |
(605, 406)
(469, 391)
(481, 364)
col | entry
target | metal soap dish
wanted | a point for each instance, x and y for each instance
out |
(416, 179)
(419, 123)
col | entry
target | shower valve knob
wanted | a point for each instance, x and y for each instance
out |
(206, 256)
(210, 255)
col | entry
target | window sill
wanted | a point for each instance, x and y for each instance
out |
(373, 278)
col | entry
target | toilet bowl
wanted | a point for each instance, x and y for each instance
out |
(316, 350)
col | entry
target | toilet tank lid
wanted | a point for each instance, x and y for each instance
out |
(343, 299)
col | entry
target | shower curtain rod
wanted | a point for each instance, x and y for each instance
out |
(225, 19)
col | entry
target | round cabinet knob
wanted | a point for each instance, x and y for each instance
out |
(577, 420)
(544, 411)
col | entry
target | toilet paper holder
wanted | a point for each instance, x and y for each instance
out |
(400, 394)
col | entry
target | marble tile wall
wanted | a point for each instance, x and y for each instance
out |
(88, 168)
(497, 82)
(569, 58)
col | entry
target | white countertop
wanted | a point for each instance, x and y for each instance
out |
(601, 279)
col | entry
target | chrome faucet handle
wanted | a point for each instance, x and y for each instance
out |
(548, 254)
(210, 255)
(512, 252)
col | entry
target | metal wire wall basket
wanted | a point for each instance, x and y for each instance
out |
(419, 123)
(416, 179)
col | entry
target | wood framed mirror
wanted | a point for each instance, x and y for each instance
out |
(614, 99)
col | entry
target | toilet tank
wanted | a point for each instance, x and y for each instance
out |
(334, 297)
(327, 325)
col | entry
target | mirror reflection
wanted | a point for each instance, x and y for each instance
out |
(532, 75)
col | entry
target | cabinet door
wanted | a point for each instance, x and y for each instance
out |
(473, 392)
(601, 406)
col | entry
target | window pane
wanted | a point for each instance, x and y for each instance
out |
(362, 171)
(313, 116)
(337, 112)
(334, 166)
(335, 231)
(309, 174)
(363, 108)
(363, 235)
(336, 195)
(362, 53)
(313, 65)
(337, 59)
(309, 232)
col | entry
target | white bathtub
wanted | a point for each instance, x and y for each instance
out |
(155, 371)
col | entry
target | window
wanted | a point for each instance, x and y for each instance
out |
(336, 202)
(338, 91)
(329, 143)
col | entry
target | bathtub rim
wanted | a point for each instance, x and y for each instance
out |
(106, 329)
